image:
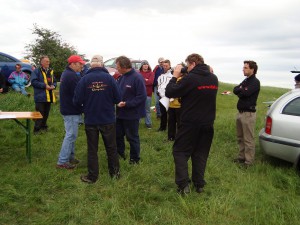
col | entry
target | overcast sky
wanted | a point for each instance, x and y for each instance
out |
(224, 32)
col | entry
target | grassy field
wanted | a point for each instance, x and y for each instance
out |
(38, 193)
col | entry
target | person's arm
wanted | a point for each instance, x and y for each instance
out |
(140, 95)
(35, 81)
(116, 91)
(237, 89)
(11, 78)
(177, 90)
(150, 79)
(252, 87)
(79, 94)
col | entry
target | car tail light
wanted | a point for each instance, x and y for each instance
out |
(268, 127)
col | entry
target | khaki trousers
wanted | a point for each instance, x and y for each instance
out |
(245, 124)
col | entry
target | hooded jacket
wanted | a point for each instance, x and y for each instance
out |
(198, 93)
(98, 92)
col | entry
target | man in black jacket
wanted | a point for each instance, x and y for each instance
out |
(247, 91)
(198, 92)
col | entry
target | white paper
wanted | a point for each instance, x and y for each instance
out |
(165, 102)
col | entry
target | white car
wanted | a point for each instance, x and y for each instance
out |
(281, 136)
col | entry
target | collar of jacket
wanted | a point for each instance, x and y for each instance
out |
(101, 69)
(132, 71)
(201, 69)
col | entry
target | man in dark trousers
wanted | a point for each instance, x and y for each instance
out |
(43, 82)
(247, 91)
(198, 92)
(131, 109)
(98, 92)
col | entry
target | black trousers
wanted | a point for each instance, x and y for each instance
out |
(44, 109)
(192, 141)
(108, 133)
(130, 129)
(163, 118)
(173, 121)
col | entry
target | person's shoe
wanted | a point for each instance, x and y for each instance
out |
(133, 162)
(148, 126)
(44, 128)
(161, 129)
(86, 179)
(37, 131)
(199, 189)
(116, 175)
(74, 161)
(170, 139)
(184, 191)
(123, 156)
(66, 165)
(239, 160)
(28, 95)
(247, 165)
(158, 117)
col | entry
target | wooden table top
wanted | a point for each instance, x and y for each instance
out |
(20, 115)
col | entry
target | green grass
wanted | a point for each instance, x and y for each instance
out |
(38, 193)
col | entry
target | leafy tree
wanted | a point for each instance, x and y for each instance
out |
(49, 43)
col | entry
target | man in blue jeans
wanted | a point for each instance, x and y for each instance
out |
(130, 109)
(98, 92)
(70, 112)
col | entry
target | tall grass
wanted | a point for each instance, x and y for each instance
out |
(38, 193)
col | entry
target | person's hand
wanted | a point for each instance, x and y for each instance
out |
(49, 87)
(1, 90)
(121, 104)
(177, 71)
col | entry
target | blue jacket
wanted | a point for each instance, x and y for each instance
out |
(21, 78)
(68, 82)
(133, 92)
(39, 79)
(158, 70)
(98, 92)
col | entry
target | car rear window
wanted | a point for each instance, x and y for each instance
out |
(292, 108)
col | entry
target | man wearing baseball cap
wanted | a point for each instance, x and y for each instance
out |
(70, 112)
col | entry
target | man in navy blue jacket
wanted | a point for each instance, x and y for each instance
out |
(98, 92)
(130, 109)
(43, 82)
(70, 112)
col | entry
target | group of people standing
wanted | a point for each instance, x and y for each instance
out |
(114, 109)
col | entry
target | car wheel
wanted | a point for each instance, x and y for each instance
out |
(298, 166)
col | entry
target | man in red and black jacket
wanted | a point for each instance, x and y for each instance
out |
(198, 92)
